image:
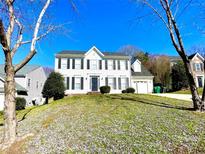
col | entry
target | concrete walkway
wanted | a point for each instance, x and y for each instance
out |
(186, 97)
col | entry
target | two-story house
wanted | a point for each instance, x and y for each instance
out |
(29, 84)
(87, 71)
(197, 65)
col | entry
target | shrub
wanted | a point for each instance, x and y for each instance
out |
(130, 90)
(54, 87)
(124, 91)
(20, 103)
(105, 89)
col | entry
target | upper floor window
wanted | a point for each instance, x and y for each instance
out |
(110, 65)
(77, 63)
(93, 64)
(198, 67)
(63, 63)
(122, 64)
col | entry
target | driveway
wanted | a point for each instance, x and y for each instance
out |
(186, 97)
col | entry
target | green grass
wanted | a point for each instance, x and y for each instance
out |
(187, 91)
(123, 123)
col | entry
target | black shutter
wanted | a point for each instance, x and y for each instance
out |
(73, 63)
(127, 83)
(88, 64)
(82, 63)
(73, 83)
(68, 63)
(59, 63)
(115, 83)
(118, 63)
(81, 83)
(119, 83)
(114, 65)
(68, 83)
(106, 81)
(201, 65)
(100, 64)
(106, 64)
(126, 64)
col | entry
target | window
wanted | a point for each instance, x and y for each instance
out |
(111, 83)
(123, 83)
(110, 64)
(198, 67)
(93, 64)
(77, 63)
(122, 64)
(29, 82)
(64, 63)
(77, 83)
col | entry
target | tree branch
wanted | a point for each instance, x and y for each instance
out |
(11, 21)
(3, 39)
(20, 37)
(156, 12)
(34, 39)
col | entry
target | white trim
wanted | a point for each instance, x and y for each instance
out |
(197, 54)
(96, 49)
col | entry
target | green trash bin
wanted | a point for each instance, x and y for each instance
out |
(155, 89)
(158, 89)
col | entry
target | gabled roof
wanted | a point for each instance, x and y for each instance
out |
(144, 72)
(23, 71)
(18, 87)
(81, 54)
(195, 54)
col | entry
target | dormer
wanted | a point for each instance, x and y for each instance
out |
(136, 65)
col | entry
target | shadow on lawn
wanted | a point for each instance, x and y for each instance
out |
(23, 117)
(153, 103)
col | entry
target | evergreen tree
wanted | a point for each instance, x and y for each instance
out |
(54, 87)
(179, 78)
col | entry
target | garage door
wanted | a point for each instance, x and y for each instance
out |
(142, 87)
(1, 101)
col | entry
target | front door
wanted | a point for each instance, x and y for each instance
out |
(94, 81)
(200, 84)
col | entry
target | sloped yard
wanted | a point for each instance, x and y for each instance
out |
(113, 123)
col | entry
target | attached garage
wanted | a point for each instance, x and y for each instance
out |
(141, 79)
(1, 101)
(142, 87)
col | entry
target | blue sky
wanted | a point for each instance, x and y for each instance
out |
(109, 25)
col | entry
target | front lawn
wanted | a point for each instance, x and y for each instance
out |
(126, 123)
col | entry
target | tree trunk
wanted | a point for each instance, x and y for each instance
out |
(10, 122)
(197, 101)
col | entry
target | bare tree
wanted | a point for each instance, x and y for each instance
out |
(11, 39)
(129, 50)
(161, 74)
(166, 11)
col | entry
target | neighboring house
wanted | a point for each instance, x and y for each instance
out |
(30, 81)
(197, 65)
(20, 91)
(87, 71)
